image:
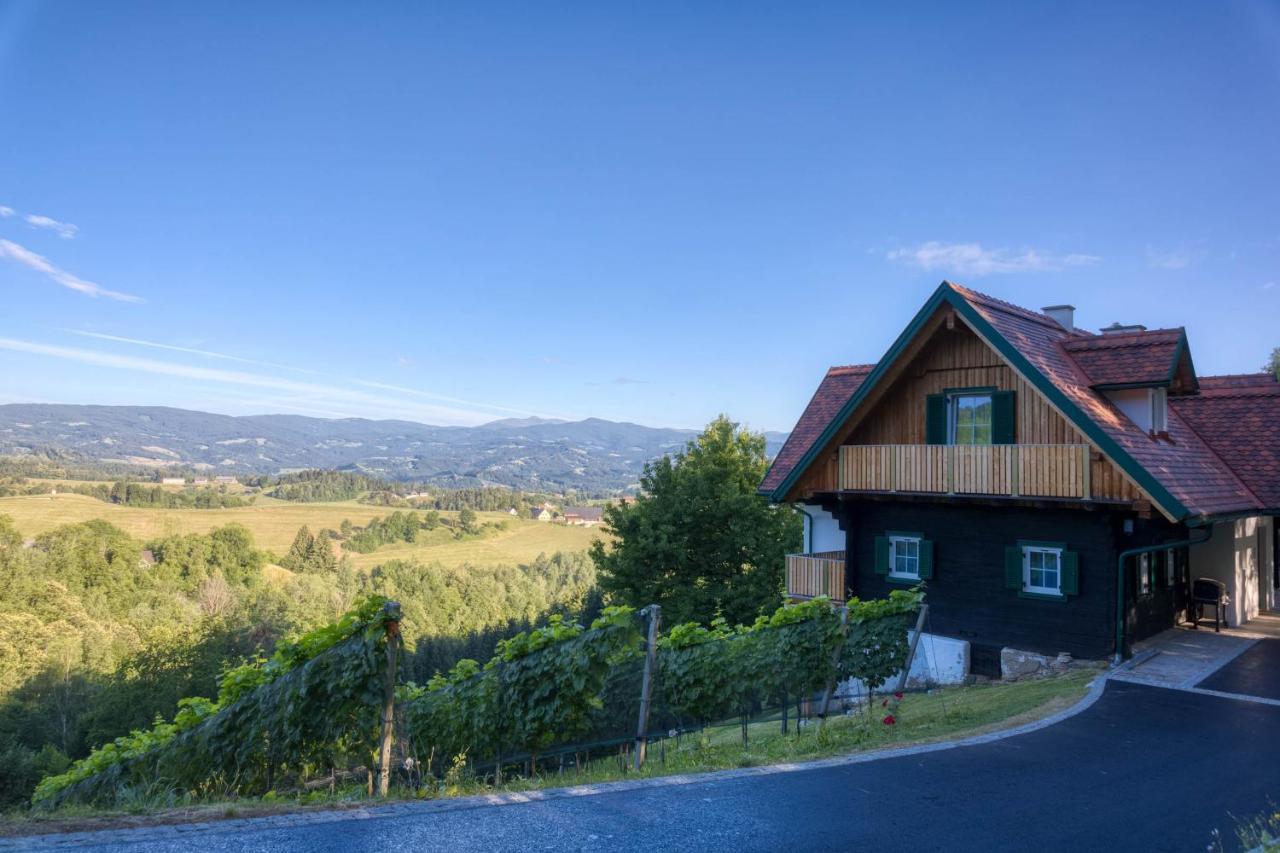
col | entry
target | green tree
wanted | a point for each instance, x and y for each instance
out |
(699, 541)
(467, 521)
(1273, 364)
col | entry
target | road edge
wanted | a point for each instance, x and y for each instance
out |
(63, 841)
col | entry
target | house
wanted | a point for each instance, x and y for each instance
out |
(583, 516)
(540, 513)
(173, 481)
(224, 479)
(1056, 490)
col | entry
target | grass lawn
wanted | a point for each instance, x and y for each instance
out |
(274, 523)
(919, 718)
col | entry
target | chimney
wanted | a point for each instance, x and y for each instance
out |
(1063, 315)
(1121, 329)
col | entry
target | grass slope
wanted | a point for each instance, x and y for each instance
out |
(274, 523)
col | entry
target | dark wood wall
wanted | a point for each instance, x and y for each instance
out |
(967, 595)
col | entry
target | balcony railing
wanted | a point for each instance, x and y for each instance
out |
(1031, 470)
(819, 573)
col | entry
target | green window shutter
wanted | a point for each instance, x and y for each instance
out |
(1070, 573)
(935, 419)
(1003, 418)
(1013, 567)
(882, 555)
(926, 559)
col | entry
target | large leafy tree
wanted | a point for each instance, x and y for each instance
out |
(1273, 363)
(699, 541)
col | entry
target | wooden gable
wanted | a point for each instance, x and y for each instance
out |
(946, 355)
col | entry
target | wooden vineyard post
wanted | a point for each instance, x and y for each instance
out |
(835, 662)
(646, 685)
(911, 653)
(391, 611)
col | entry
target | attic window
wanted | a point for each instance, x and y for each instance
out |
(1159, 410)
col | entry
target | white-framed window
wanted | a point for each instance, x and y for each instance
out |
(969, 418)
(1144, 574)
(1171, 567)
(1159, 410)
(904, 557)
(1042, 570)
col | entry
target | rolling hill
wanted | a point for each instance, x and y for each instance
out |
(590, 455)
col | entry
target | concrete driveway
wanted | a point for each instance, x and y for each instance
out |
(1144, 768)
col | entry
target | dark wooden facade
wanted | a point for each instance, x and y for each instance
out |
(968, 597)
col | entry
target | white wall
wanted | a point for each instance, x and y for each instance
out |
(938, 660)
(1135, 403)
(1234, 556)
(826, 532)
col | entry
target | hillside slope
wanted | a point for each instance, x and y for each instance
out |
(591, 455)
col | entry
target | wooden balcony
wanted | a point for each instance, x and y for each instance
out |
(1014, 470)
(819, 573)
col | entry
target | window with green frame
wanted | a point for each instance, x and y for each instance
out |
(969, 416)
(1042, 570)
(904, 557)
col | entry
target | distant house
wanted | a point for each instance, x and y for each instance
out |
(225, 479)
(540, 513)
(173, 481)
(583, 516)
(513, 511)
(200, 481)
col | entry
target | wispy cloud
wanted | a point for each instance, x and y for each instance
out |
(222, 356)
(39, 263)
(972, 259)
(1269, 285)
(1174, 259)
(65, 230)
(334, 399)
(6, 211)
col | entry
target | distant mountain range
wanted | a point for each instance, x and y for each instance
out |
(528, 453)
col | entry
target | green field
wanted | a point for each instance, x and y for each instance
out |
(274, 524)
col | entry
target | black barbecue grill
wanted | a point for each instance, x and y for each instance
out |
(1207, 592)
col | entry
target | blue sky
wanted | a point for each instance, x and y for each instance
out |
(651, 212)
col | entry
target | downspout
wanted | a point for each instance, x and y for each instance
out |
(1120, 579)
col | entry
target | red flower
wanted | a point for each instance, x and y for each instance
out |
(889, 720)
(898, 696)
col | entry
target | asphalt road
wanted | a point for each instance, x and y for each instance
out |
(1143, 769)
(1254, 673)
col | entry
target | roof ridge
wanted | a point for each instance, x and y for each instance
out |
(1008, 307)
(843, 369)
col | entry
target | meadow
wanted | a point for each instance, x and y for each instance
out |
(274, 524)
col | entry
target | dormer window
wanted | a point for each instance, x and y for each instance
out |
(1159, 410)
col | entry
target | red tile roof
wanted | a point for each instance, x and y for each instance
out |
(1184, 465)
(1132, 357)
(1222, 454)
(836, 388)
(1239, 417)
